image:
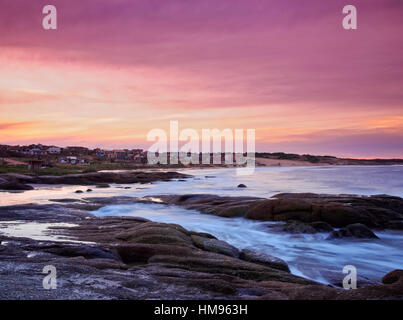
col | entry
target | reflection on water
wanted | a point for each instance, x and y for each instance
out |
(34, 230)
(265, 182)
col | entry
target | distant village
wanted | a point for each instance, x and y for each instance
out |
(38, 156)
(42, 155)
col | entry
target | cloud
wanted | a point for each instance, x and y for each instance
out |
(16, 125)
(286, 64)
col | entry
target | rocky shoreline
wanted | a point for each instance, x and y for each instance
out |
(134, 258)
(308, 212)
(20, 182)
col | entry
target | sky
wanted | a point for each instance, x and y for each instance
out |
(114, 70)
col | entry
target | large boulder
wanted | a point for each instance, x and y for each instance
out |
(393, 277)
(11, 183)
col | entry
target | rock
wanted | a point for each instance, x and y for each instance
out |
(321, 226)
(12, 184)
(80, 250)
(12, 181)
(356, 230)
(264, 259)
(396, 224)
(211, 204)
(89, 190)
(336, 211)
(65, 200)
(130, 260)
(79, 191)
(154, 233)
(141, 252)
(393, 277)
(298, 227)
(241, 185)
(102, 185)
(202, 234)
(214, 245)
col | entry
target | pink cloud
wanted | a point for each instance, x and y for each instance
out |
(277, 59)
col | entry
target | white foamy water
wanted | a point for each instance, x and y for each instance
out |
(311, 256)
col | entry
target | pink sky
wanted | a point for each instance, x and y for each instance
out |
(116, 69)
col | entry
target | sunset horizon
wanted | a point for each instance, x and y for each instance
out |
(110, 73)
(202, 159)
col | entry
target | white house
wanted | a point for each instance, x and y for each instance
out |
(54, 150)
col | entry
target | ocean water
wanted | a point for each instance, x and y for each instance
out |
(311, 256)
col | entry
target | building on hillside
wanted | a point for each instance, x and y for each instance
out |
(36, 152)
(120, 154)
(76, 151)
(54, 150)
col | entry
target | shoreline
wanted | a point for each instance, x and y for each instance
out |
(115, 255)
(165, 252)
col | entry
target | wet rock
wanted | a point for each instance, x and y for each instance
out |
(102, 185)
(396, 224)
(42, 213)
(337, 211)
(356, 230)
(19, 182)
(321, 226)
(241, 185)
(211, 204)
(264, 259)
(214, 245)
(65, 200)
(202, 234)
(124, 264)
(12, 184)
(393, 277)
(80, 250)
(298, 227)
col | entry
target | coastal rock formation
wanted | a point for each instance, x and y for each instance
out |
(317, 210)
(12, 181)
(134, 258)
